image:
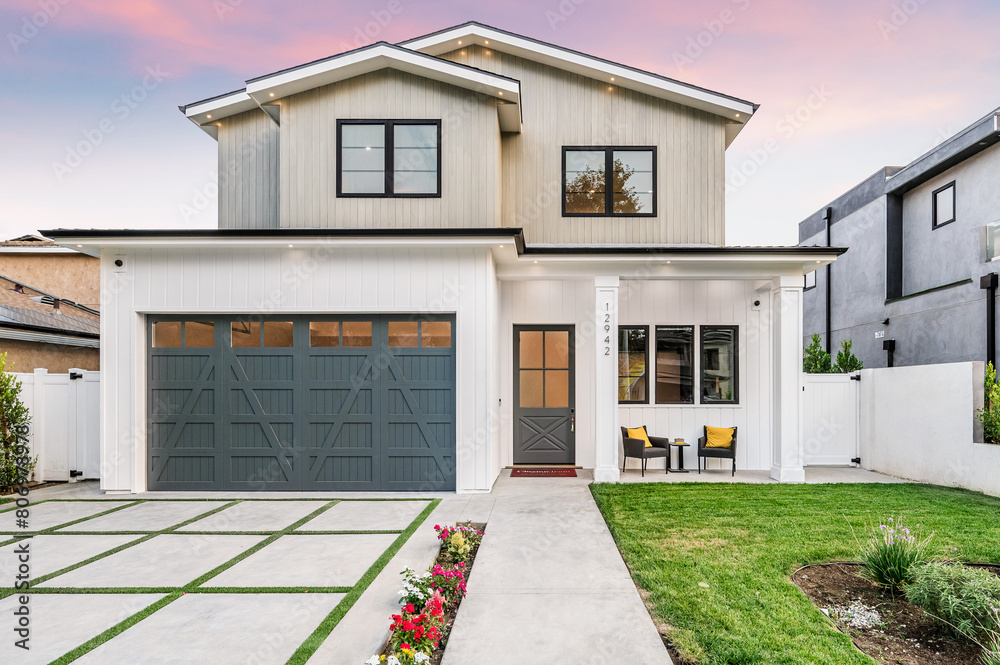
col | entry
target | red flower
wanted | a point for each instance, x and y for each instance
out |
(404, 645)
(409, 608)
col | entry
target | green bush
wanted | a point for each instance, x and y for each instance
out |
(14, 416)
(963, 597)
(815, 360)
(989, 416)
(846, 360)
(893, 553)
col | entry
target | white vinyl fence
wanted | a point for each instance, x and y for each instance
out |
(65, 422)
(830, 422)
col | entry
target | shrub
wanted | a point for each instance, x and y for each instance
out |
(989, 415)
(892, 553)
(458, 541)
(964, 597)
(418, 589)
(846, 360)
(14, 419)
(815, 360)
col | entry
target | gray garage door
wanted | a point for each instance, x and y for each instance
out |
(301, 403)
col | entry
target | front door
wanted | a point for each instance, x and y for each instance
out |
(544, 395)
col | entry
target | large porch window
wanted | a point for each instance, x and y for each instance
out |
(633, 364)
(719, 384)
(674, 364)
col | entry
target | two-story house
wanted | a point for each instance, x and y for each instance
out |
(440, 258)
(919, 284)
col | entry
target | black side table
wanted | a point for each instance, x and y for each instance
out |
(680, 458)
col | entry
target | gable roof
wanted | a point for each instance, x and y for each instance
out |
(419, 56)
(265, 91)
(737, 111)
(26, 308)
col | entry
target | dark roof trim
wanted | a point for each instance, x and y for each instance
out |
(375, 45)
(979, 136)
(46, 329)
(54, 297)
(586, 55)
(185, 107)
(684, 250)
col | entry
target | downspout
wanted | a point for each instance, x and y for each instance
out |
(989, 283)
(827, 217)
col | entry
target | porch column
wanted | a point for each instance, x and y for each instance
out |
(606, 380)
(786, 326)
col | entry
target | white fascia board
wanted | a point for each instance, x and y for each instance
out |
(94, 246)
(48, 338)
(735, 110)
(270, 89)
(36, 250)
(206, 114)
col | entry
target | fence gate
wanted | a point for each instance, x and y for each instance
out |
(830, 419)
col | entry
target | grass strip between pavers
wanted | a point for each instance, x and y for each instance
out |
(115, 630)
(132, 543)
(313, 642)
(20, 535)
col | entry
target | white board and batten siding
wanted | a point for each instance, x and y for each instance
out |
(297, 281)
(704, 302)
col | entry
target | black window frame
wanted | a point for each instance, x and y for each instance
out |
(388, 124)
(609, 193)
(934, 205)
(694, 365)
(648, 383)
(736, 363)
(805, 281)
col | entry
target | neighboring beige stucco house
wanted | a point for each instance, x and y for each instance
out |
(49, 306)
(440, 258)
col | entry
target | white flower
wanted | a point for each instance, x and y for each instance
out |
(392, 660)
(373, 661)
(421, 657)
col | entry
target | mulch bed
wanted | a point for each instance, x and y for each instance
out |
(906, 634)
(447, 563)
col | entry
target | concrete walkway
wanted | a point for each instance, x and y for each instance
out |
(549, 585)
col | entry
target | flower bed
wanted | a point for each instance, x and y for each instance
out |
(429, 601)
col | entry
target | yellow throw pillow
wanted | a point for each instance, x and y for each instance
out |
(719, 437)
(639, 433)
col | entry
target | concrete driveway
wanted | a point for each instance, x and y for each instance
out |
(206, 580)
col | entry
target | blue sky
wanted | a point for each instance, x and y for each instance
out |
(92, 137)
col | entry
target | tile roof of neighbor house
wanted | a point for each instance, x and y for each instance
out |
(28, 241)
(22, 306)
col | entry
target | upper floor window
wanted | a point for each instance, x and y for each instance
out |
(385, 158)
(609, 181)
(943, 205)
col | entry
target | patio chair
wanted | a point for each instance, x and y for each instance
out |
(637, 449)
(704, 451)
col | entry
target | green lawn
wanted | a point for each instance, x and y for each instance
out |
(744, 541)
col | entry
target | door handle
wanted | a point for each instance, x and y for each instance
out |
(572, 420)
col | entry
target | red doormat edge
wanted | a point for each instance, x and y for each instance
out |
(543, 473)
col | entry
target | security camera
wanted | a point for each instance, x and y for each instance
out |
(119, 263)
(756, 303)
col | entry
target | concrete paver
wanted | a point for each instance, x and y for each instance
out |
(149, 516)
(53, 513)
(168, 560)
(549, 573)
(256, 516)
(307, 560)
(366, 516)
(221, 629)
(51, 553)
(60, 623)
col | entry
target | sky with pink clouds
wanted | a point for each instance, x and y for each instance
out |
(92, 137)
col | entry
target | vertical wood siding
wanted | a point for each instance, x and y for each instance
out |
(268, 280)
(564, 109)
(696, 303)
(248, 172)
(470, 145)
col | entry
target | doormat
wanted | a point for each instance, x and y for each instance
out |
(543, 473)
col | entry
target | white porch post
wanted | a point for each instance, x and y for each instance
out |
(786, 308)
(606, 380)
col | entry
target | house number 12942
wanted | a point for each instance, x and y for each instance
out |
(607, 330)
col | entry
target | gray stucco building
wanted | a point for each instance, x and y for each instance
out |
(921, 239)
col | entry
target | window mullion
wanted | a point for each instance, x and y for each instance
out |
(390, 161)
(609, 181)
